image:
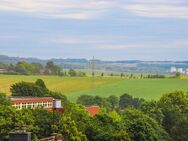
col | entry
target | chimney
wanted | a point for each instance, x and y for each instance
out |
(20, 135)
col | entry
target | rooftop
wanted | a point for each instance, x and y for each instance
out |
(31, 99)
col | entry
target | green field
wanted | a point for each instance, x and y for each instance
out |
(73, 87)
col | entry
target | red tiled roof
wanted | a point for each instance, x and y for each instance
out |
(93, 110)
(31, 99)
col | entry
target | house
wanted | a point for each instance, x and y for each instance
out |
(173, 70)
(3, 71)
(48, 103)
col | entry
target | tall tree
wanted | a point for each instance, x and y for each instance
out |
(27, 89)
(175, 108)
(142, 127)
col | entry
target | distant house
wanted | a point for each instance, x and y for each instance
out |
(48, 103)
(186, 71)
(173, 70)
(32, 102)
(45, 71)
(3, 70)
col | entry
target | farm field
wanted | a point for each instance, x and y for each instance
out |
(143, 88)
(55, 83)
(73, 87)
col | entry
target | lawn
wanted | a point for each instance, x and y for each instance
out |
(73, 87)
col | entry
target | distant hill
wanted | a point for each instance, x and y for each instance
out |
(132, 66)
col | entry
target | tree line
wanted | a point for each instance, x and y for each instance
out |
(25, 68)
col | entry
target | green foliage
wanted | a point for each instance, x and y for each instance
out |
(37, 89)
(86, 100)
(4, 99)
(26, 68)
(81, 74)
(114, 101)
(152, 109)
(175, 108)
(36, 67)
(122, 136)
(178, 74)
(7, 118)
(78, 114)
(179, 130)
(22, 68)
(69, 130)
(50, 65)
(53, 69)
(44, 120)
(26, 89)
(25, 118)
(127, 100)
(141, 127)
(72, 72)
(40, 83)
(107, 127)
(156, 76)
(115, 116)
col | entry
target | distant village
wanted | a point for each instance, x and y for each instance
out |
(180, 70)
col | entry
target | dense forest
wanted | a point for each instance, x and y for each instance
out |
(123, 118)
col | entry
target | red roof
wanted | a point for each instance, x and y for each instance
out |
(93, 110)
(17, 100)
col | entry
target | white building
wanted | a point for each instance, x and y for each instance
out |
(34, 102)
(173, 69)
(180, 70)
(186, 72)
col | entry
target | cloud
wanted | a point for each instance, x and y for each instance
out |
(183, 43)
(76, 40)
(118, 47)
(159, 1)
(158, 8)
(86, 39)
(69, 9)
(3, 37)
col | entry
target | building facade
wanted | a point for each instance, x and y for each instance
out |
(30, 102)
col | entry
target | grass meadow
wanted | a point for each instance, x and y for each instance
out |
(73, 87)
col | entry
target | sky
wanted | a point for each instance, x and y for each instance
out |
(106, 29)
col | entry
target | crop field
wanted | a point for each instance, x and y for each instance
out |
(55, 83)
(73, 87)
(143, 88)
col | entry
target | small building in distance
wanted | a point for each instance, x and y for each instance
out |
(174, 70)
(32, 102)
(180, 70)
(3, 71)
(48, 103)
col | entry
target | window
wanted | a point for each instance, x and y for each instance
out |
(24, 105)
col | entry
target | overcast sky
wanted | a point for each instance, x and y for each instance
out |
(106, 29)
